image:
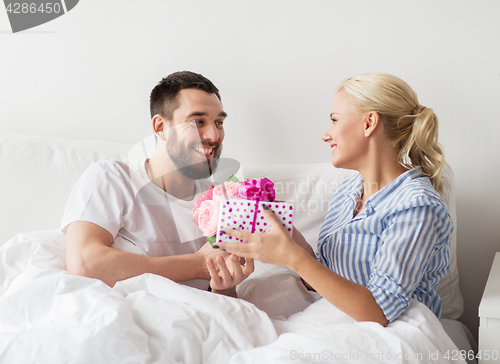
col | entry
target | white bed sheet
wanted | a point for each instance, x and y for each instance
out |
(50, 316)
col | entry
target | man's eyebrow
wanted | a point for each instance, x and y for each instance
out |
(197, 113)
(201, 113)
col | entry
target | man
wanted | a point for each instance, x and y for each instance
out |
(146, 208)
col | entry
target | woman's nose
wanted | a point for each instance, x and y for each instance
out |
(326, 137)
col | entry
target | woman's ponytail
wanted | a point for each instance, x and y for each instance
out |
(421, 148)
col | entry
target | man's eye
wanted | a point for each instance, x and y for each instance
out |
(196, 122)
(219, 124)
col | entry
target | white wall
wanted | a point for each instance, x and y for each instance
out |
(88, 74)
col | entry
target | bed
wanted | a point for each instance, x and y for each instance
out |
(48, 315)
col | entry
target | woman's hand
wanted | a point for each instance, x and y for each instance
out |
(274, 247)
(227, 274)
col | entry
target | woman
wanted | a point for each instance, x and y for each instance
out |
(385, 239)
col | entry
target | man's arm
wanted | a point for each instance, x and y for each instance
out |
(88, 253)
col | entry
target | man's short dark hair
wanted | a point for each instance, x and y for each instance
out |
(163, 99)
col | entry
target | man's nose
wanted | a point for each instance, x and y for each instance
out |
(209, 132)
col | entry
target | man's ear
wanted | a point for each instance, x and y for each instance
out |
(372, 121)
(159, 126)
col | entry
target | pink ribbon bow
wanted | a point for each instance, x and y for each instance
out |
(260, 190)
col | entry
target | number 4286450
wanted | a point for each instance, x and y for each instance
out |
(469, 354)
(32, 8)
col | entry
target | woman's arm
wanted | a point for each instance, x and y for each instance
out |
(277, 247)
(349, 297)
(301, 241)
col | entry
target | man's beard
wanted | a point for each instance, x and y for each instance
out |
(183, 159)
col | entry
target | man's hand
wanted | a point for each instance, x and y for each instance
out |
(227, 274)
(205, 252)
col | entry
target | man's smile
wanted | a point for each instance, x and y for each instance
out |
(205, 151)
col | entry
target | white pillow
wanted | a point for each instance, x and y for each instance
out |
(37, 176)
(311, 188)
(449, 289)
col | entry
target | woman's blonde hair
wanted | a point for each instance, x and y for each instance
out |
(411, 127)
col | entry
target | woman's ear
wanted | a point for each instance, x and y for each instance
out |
(159, 126)
(372, 120)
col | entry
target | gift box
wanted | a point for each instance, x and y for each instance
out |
(246, 215)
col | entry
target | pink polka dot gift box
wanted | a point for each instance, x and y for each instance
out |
(238, 205)
(244, 210)
(246, 215)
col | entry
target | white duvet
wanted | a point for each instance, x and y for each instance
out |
(50, 316)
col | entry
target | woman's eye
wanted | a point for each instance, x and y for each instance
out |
(334, 121)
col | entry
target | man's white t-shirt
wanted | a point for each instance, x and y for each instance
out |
(123, 200)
